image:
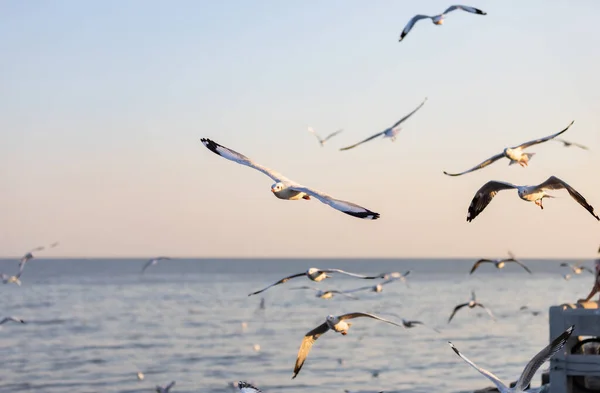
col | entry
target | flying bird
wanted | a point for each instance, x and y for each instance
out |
(535, 194)
(569, 144)
(412, 324)
(374, 288)
(438, 19)
(326, 294)
(323, 140)
(533, 312)
(246, 387)
(317, 275)
(471, 304)
(390, 132)
(577, 268)
(499, 263)
(11, 319)
(289, 190)
(160, 389)
(529, 370)
(514, 154)
(28, 256)
(8, 279)
(152, 262)
(337, 324)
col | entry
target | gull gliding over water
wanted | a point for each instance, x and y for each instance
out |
(577, 268)
(11, 319)
(287, 189)
(160, 389)
(514, 154)
(437, 19)
(8, 279)
(317, 275)
(529, 371)
(499, 263)
(152, 262)
(390, 132)
(471, 304)
(337, 324)
(535, 194)
(323, 140)
(326, 294)
(375, 288)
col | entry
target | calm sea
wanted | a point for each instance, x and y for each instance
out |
(93, 324)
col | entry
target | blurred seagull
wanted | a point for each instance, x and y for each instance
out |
(11, 319)
(438, 19)
(166, 389)
(390, 132)
(326, 294)
(567, 277)
(577, 268)
(152, 262)
(514, 154)
(322, 141)
(337, 324)
(569, 144)
(7, 279)
(529, 370)
(412, 324)
(28, 256)
(316, 275)
(471, 304)
(398, 275)
(375, 288)
(140, 376)
(285, 188)
(527, 193)
(499, 263)
(246, 387)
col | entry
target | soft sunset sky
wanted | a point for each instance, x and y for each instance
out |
(103, 103)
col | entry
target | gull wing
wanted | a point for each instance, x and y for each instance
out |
(568, 143)
(361, 142)
(410, 25)
(312, 131)
(169, 386)
(479, 166)
(484, 196)
(362, 314)
(279, 282)
(554, 183)
(456, 309)
(148, 264)
(499, 384)
(486, 309)
(349, 274)
(541, 140)
(344, 293)
(307, 343)
(467, 8)
(396, 124)
(328, 137)
(539, 359)
(359, 289)
(479, 262)
(519, 263)
(241, 159)
(349, 208)
(246, 387)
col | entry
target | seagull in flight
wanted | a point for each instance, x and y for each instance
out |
(317, 275)
(499, 263)
(375, 288)
(535, 194)
(335, 323)
(160, 389)
(569, 144)
(7, 279)
(152, 262)
(285, 188)
(11, 319)
(326, 294)
(246, 387)
(390, 132)
(323, 140)
(438, 19)
(529, 370)
(28, 256)
(514, 154)
(471, 304)
(577, 268)
(412, 324)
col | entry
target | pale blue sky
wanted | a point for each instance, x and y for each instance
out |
(102, 105)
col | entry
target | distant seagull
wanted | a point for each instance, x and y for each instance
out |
(569, 144)
(337, 324)
(11, 319)
(246, 387)
(412, 324)
(8, 279)
(53, 244)
(401, 276)
(285, 188)
(326, 294)
(390, 132)
(438, 19)
(140, 376)
(471, 304)
(323, 140)
(514, 154)
(166, 389)
(499, 263)
(577, 268)
(256, 347)
(531, 368)
(567, 277)
(527, 193)
(317, 275)
(152, 262)
(375, 288)
(534, 313)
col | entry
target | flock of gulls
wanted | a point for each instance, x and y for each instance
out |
(284, 188)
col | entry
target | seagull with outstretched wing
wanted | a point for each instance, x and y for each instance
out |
(471, 304)
(152, 262)
(323, 140)
(326, 294)
(438, 19)
(160, 389)
(514, 154)
(499, 263)
(387, 133)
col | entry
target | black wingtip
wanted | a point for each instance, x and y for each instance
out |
(210, 145)
(366, 215)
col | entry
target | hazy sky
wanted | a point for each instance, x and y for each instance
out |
(102, 105)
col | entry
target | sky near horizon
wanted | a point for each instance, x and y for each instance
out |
(103, 104)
